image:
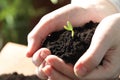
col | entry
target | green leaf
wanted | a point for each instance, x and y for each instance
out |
(69, 27)
(54, 1)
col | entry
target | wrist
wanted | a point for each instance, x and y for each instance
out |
(100, 8)
(95, 3)
(115, 3)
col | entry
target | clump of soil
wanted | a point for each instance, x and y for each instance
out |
(16, 76)
(69, 48)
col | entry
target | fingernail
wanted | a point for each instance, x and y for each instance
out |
(28, 52)
(81, 71)
(40, 74)
(47, 70)
(44, 54)
(36, 61)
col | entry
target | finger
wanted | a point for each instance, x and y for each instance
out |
(60, 66)
(110, 68)
(53, 74)
(40, 55)
(100, 73)
(101, 42)
(39, 33)
(34, 42)
(40, 72)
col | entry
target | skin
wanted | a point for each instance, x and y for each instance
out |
(105, 42)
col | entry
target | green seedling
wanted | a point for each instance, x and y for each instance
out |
(69, 27)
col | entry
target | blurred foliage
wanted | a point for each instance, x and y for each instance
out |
(16, 17)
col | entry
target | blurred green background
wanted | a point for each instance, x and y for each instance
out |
(18, 17)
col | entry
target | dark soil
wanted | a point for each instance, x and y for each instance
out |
(69, 48)
(16, 76)
(62, 44)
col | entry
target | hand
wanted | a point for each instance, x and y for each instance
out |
(55, 21)
(75, 13)
(105, 46)
(51, 67)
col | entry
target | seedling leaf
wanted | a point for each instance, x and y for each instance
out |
(69, 27)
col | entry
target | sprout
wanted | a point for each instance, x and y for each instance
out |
(54, 1)
(69, 27)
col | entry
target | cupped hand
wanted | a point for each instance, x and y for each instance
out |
(76, 14)
(51, 22)
(105, 47)
(51, 67)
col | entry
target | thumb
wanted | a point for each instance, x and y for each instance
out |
(33, 45)
(100, 43)
(90, 60)
(37, 36)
